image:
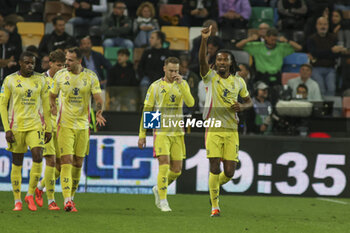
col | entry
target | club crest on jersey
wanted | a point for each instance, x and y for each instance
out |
(226, 92)
(76, 91)
(28, 93)
(172, 98)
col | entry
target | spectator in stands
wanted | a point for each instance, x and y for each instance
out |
(94, 61)
(324, 50)
(122, 73)
(263, 27)
(234, 13)
(316, 9)
(336, 22)
(194, 66)
(192, 80)
(259, 117)
(152, 61)
(15, 38)
(144, 24)
(87, 12)
(8, 12)
(58, 39)
(122, 84)
(246, 73)
(268, 55)
(195, 12)
(314, 93)
(9, 55)
(292, 14)
(45, 60)
(117, 28)
(302, 92)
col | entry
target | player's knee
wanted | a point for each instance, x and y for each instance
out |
(50, 162)
(215, 170)
(17, 160)
(229, 174)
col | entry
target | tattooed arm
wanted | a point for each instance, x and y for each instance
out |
(100, 120)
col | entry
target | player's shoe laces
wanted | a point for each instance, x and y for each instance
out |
(53, 206)
(68, 206)
(30, 201)
(156, 196)
(39, 197)
(215, 213)
(164, 206)
(18, 206)
(74, 209)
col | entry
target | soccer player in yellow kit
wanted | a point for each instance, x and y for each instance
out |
(20, 105)
(223, 88)
(52, 158)
(167, 95)
(75, 85)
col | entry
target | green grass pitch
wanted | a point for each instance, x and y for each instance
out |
(137, 213)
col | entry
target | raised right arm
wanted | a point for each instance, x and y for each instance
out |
(203, 63)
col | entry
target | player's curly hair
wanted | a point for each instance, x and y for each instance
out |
(234, 67)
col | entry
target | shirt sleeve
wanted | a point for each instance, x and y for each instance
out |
(95, 85)
(150, 96)
(186, 93)
(55, 88)
(4, 99)
(206, 78)
(287, 49)
(244, 91)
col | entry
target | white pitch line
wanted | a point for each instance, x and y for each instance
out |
(331, 200)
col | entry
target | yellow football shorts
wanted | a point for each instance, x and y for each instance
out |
(51, 148)
(73, 141)
(25, 139)
(174, 146)
(223, 143)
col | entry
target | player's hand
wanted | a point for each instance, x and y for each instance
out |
(100, 120)
(178, 78)
(142, 143)
(48, 136)
(206, 32)
(10, 138)
(237, 107)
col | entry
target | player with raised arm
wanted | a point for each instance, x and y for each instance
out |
(166, 96)
(22, 95)
(75, 85)
(223, 88)
(52, 157)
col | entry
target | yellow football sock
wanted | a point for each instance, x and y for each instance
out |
(162, 181)
(76, 171)
(50, 182)
(66, 180)
(34, 177)
(214, 189)
(57, 174)
(223, 179)
(16, 180)
(173, 176)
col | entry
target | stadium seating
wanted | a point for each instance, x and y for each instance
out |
(194, 32)
(68, 28)
(31, 32)
(177, 36)
(261, 15)
(57, 8)
(346, 106)
(30, 11)
(95, 33)
(287, 76)
(242, 57)
(299, 37)
(98, 49)
(233, 35)
(110, 53)
(292, 63)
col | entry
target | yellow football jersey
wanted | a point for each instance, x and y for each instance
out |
(221, 94)
(168, 98)
(49, 81)
(75, 97)
(24, 98)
